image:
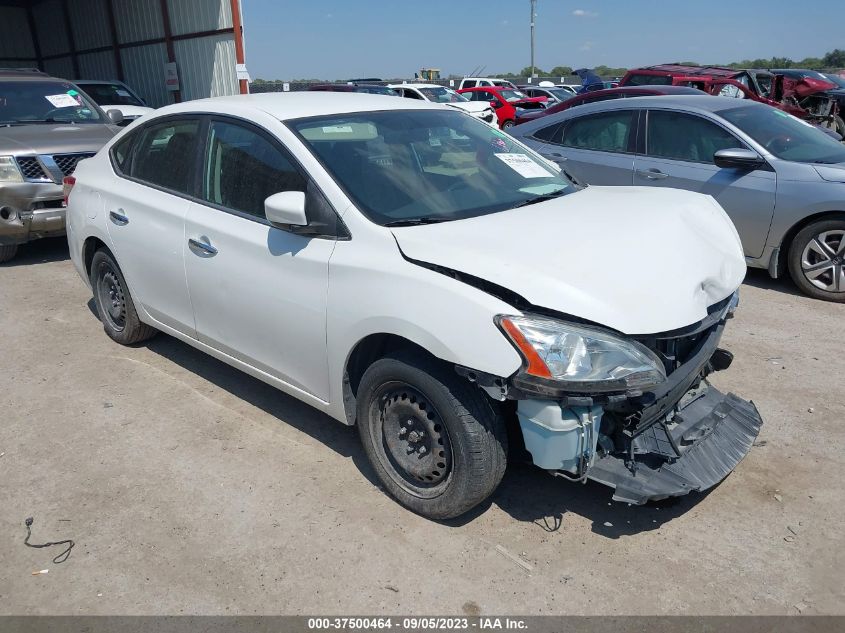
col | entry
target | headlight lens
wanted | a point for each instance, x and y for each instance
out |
(9, 171)
(580, 358)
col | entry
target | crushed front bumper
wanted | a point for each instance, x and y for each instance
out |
(714, 434)
(30, 211)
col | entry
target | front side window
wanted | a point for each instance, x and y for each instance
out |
(605, 132)
(165, 155)
(422, 166)
(687, 137)
(243, 169)
(30, 102)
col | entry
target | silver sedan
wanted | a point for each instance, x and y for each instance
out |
(781, 180)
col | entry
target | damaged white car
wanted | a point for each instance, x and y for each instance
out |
(408, 269)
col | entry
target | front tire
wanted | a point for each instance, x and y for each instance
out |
(817, 259)
(436, 442)
(115, 306)
(507, 125)
(8, 252)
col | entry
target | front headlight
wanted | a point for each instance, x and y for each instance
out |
(580, 359)
(9, 171)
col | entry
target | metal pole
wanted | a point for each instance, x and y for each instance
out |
(533, 16)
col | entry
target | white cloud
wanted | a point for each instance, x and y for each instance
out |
(586, 46)
(583, 13)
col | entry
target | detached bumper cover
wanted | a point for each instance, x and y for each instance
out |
(715, 433)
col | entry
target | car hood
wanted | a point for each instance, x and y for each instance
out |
(54, 138)
(636, 259)
(473, 107)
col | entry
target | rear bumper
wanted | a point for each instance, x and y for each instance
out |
(715, 434)
(30, 211)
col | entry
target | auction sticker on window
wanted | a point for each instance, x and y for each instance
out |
(62, 101)
(523, 165)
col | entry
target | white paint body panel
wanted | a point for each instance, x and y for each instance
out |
(290, 309)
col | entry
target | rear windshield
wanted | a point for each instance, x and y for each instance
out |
(45, 102)
(648, 80)
(110, 94)
(785, 136)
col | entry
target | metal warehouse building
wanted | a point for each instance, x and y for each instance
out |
(167, 50)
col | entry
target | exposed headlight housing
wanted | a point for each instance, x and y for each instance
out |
(560, 356)
(9, 171)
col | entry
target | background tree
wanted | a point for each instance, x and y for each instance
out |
(834, 59)
(561, 71)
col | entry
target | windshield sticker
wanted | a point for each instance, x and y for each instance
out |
(122, 93)
(62, 101)
(523, 165)
(338, 129)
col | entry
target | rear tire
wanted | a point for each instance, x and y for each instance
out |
(8, 252)
(115, 306)
(817, 259)
(507, 125)
(436, 442)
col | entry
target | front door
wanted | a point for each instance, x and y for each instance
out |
(259, 292)
(679, 153)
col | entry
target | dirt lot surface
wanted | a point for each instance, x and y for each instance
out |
(192, 488)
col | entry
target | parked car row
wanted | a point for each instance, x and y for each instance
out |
(365, 226)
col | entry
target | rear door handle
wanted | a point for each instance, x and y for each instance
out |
(118, 218)
(204, 247)
(652, 174)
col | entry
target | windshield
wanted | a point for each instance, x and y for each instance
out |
(377, 90)
(512, 95)
(560, 93)
(421, 166)
(442, 95)
(786, 136)
(45, 102)
(110, 94)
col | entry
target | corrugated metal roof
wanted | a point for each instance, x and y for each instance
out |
(50, 25)
(97, 66)
(207, 67)
(138, 20)
(90, 23)
(196, 16)
(14, 33)
(143, 67)
(59, 67)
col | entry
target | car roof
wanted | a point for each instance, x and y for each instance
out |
(105, 82)
(686, 69)
(285, 106)
(415, 85)
(28, 74)
(703, 103)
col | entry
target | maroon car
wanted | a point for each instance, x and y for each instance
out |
(604, 95)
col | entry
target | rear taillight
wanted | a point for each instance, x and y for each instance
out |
(67, 184)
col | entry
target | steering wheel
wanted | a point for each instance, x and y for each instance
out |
(49, 114)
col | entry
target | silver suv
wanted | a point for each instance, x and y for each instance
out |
(47, 125)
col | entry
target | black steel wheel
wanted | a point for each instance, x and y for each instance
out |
(114, 303)
(437, 442)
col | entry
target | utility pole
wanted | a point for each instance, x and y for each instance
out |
(533, 18)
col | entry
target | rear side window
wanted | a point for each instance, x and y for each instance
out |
(244, 168)
(120, 152)
(549, 134)
(165, 155)
(470, 84)
(686, 137)
(605, 132)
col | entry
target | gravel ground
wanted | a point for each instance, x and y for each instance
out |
(192, 488)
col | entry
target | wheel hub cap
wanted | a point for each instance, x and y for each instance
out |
(823, 261)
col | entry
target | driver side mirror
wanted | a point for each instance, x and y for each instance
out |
(286, 209)
(115, 116)
(737, 158)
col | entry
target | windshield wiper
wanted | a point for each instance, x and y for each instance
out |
(542, 198)
(418, 221)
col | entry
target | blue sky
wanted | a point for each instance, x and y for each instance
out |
(338, 39)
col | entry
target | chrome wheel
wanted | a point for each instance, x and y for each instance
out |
(823, 261)
(112, 299)
(415, 447)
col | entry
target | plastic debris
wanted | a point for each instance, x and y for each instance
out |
(516, 559)
(43, 571)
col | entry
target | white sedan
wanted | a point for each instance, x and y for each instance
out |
(417, 273)
(440, 94)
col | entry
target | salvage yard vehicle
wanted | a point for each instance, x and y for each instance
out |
(413, 271)
(509, 104)
(808, 98)
(46, 127)
(115, 95)
(780, 179)
(440, 94)
(479, 82)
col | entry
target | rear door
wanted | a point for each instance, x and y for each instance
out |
(145, 215)
(678, 152)
(598, 149)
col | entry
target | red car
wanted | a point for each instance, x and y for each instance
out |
(604, 95)
(507, 102)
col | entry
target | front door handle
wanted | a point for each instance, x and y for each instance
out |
(118, 218)
(652, 174)
(204, 247)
